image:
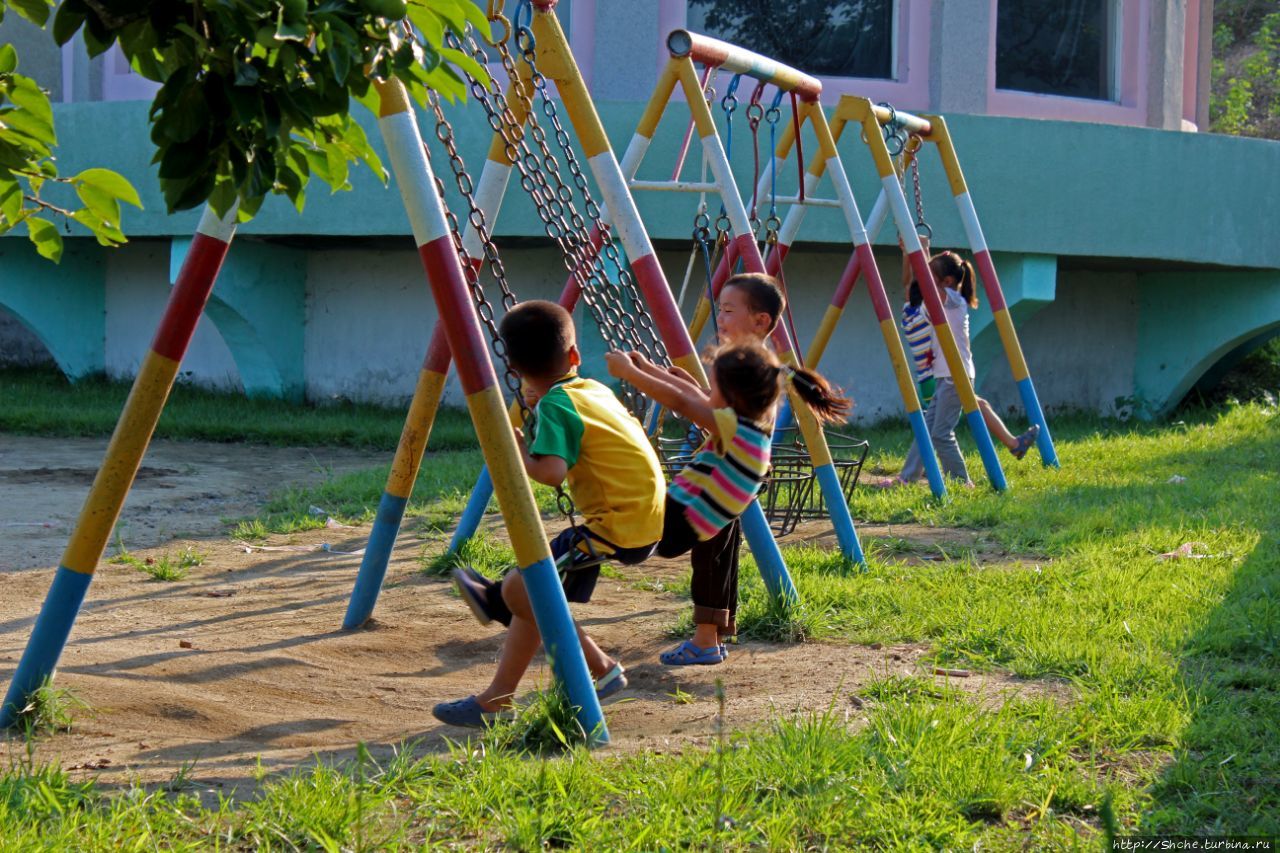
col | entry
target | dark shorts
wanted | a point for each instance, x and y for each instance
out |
(578, 554)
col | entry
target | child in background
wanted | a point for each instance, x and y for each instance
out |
(583, 436)
(706, 498)
(958, 278)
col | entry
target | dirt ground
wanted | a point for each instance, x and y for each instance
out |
(243, 661)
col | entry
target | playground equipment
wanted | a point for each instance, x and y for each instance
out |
(544, 54)
(685, 49)
(927, 129)
(461, 334)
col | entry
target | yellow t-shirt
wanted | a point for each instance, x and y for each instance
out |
(614, 476)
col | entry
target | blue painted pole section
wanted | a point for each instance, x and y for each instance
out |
(773, 569)
(930, 459)
(373, 566)
(841, 520)
(551, 610)
(53, 627)
(473, 514)
(1044, 441)
(784, 421)
(987, 450)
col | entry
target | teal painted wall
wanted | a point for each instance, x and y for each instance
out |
(63, 304)
(1041, 187)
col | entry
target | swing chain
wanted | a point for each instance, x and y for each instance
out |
(895, 135)
(923, 229)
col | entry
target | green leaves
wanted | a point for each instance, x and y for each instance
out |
(35, 11)
(44, 235)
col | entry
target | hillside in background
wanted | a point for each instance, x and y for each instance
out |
(1245, 97)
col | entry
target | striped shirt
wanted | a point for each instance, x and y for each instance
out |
(725, 475)
(919, 339)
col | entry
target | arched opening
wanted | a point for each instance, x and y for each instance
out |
(1248, 372)
(20, 347)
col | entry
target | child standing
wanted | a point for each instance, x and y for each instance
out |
(585, 437)
(955, 277)
(706, 498)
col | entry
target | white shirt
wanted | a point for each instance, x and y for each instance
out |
(957, 311)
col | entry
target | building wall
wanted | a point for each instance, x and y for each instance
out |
(137, 289)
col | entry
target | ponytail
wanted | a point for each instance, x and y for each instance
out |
(827, 403)
(950, 265)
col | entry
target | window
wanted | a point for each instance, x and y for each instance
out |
(1057, 47)
(832, 38)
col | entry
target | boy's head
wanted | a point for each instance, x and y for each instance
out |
(749, 307)
(540, 341)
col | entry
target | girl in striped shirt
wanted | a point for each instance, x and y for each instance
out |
(727, 471)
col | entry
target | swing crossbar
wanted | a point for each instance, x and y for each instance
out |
(809, 200)
(738, 60)
(846, 111)
(675, 186)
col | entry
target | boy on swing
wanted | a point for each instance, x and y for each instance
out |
(580, 435)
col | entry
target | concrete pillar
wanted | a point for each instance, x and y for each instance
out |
(259, 308)
(1204, 63)
(1190, 322)
(63, 304)
(960, 63)
(1029, 283)
(1166, 52)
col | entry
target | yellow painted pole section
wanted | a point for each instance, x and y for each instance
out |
(901, 370)
(688, 76)
(658, 101)
(701, 314)
(516, 103)
(124, 455)
(562, 68)
(826, 142)
(826, 328)
(788, 139)
(814, 440)
(416, 432)
(510, 482)
(1017, 363)
(940, 136)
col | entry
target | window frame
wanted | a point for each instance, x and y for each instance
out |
(1128, 104)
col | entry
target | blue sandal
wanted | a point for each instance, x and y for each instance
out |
(687, 654)
(1025, 441)
(612, 682)
(467, 713)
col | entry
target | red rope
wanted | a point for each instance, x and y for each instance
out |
(754, 122)
(688, 132)
(795, 122)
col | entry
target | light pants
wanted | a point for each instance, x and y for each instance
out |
(940, 418)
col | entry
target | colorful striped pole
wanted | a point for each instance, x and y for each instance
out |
(991, 283)
(124, 454)
(484, 400)
(744, 239)
(862, 262)
(556, 61)
(400, 480)
(862, 110)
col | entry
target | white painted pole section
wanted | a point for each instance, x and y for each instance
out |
(977, 241)
(631, 158)
(795, 216)
(733, 205)
(626, 218)
(673, 186)
(414, 177)
(879, 213)
(221, 229)
(489, 192)
(844, 192)
(901, 215)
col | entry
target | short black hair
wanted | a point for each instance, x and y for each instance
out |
(763, 292)
(538, 335)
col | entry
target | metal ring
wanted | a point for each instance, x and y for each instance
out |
(506, 30)
(772, 115)
(924, 232)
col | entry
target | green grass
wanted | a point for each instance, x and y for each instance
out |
(42, 402)
(1163, 710)
(166, 567)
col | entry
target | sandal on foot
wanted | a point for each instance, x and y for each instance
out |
(687, 654)
(611, 683)
(471, 586)
(1025, 441)
(468, 713)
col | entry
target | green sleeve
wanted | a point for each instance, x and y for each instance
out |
(559, 428)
